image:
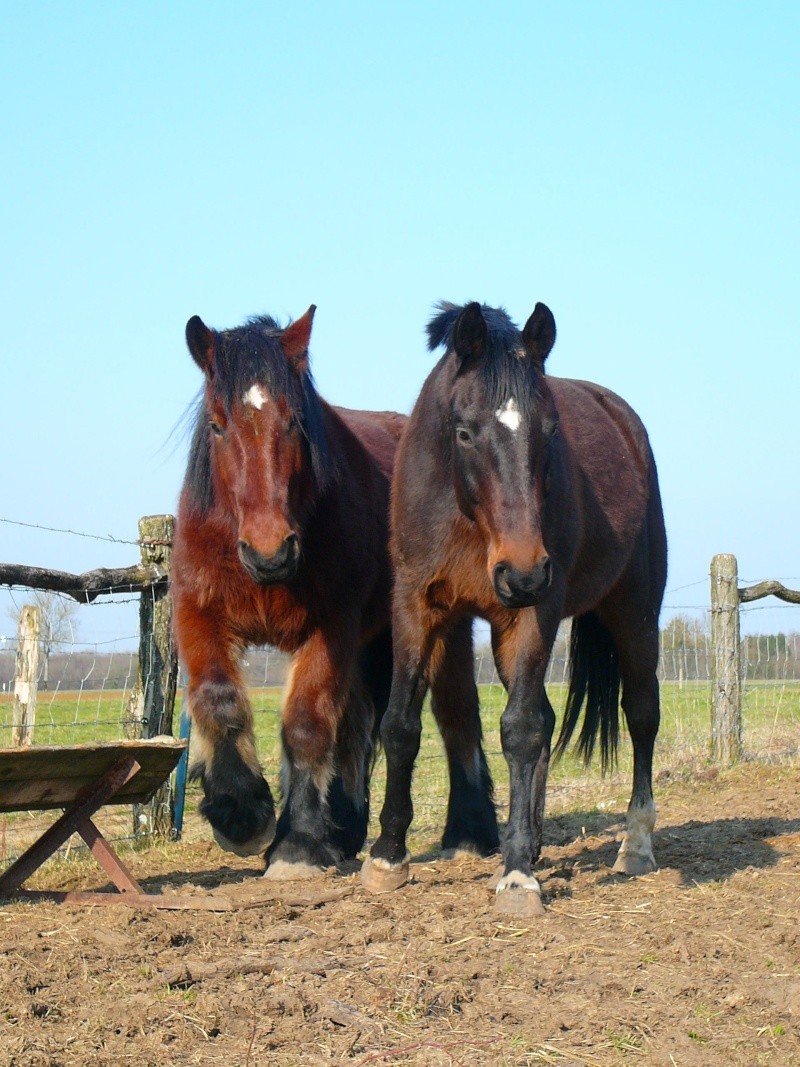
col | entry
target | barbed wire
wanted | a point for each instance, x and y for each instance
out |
(74, 533)
(689, 585)
(62, 595)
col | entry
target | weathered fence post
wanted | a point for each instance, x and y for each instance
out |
(26, 675)
(153, 700)
(726, 706)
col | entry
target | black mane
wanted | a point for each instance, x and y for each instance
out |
(248, 355)
(507, 369)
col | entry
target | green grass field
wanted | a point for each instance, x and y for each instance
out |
(771, 712)
(771, 731)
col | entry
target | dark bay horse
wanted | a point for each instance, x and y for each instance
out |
(525, 499)
(282, 539)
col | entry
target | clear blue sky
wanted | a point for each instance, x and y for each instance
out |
(635, 166)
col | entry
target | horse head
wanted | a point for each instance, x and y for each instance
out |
(260, 433)
(502, 426)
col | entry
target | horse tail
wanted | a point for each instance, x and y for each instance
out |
(593, 678)
(376, 672)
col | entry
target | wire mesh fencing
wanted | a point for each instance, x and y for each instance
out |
(94, 691)
(59, 690)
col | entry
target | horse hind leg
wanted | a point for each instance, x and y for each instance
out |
(471, 824)
(641, 707)
(348, 793)
(637, 650)
(356, 742)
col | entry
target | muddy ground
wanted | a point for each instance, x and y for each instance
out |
(697, 964)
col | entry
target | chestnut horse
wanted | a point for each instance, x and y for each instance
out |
(524, 499)
(282, 539)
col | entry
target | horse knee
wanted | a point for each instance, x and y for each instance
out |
(216, 706)
(525, 731)
(400, 736)
(308, 739)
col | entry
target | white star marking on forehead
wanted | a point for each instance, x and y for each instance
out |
(255, 397)
(509, 415)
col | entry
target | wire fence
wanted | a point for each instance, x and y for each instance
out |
(57, 689)
(91, 691)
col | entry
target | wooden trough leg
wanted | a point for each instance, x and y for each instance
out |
(77, 819)
(108, 859)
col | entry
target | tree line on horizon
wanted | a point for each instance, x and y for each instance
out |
(685, 657)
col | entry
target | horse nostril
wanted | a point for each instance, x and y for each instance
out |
(501, 574)
(292, 546)
(547, 568)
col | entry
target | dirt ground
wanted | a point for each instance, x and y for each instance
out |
(697, 964)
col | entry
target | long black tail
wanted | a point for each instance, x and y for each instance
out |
(594, 678)
(376, 672)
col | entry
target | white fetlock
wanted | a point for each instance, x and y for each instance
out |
(518, 880)
(635, 855)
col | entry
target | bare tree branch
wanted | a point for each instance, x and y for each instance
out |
(755, 592)
(84, 587)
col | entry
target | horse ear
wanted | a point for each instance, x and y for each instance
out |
(539, 334)
(295, 338)
(201, 343)
(469, 333)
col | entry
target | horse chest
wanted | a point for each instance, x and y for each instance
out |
(274, 616)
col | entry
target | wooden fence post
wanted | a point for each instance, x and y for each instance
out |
(726, 707)
(26, 675)
(154, 696)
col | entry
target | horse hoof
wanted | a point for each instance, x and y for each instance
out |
(298, 855)
(254, 847)
(379, 876)
(518, 895)
(284, 871)
(634, 864)
(519, 903)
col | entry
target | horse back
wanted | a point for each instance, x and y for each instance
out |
(611, 488)
(378, 433)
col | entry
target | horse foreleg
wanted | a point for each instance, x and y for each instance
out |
(471, 824)
(387, 866)
(237, 800)
(526, 729)
(321, 733)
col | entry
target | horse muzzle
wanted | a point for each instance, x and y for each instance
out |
(272, 570)
(522, 589)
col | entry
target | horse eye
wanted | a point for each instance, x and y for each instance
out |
(216, 429)
(463, 436)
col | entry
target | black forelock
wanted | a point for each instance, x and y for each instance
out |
(507, 369)
(248, 355)
(251, 354)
